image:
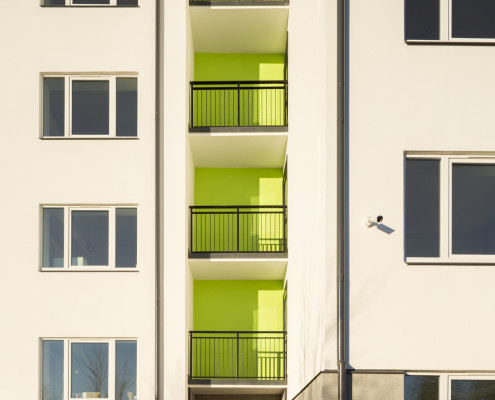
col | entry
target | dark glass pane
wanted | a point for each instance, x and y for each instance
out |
(473, 213)
(421, 387)
(54, 3)
(126, 237)
(53, 238)
(89, 370)
(422, 19)
(127, 2)
(97, 2)
(472, 390)
(125, 369)
(473, 19)
(53, 106)
(422, 208)
(126, 107)
(52, 379)
(89, 238)
(90, 108)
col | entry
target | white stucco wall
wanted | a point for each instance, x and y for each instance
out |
(35, 171)
(311, 192)
(412, 98)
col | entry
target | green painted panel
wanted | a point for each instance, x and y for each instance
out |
(238, 186)
(238, 305)
(229, 105)
(238, 67)
(253, 229)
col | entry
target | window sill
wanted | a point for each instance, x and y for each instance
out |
(450, 261)
(456, 42)
(88, 6)
(89, 269)
(89, 137)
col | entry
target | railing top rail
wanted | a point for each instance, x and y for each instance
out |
(240, 2)
(282, 82)
(230, 207)
(240, 332)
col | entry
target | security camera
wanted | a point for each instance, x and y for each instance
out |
(374, 220)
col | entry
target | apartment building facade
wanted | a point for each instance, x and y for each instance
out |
(201, 183)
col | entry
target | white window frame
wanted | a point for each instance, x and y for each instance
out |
(67, 264)
(67, 381)
(70, 3)
(445, 241)
(445, 28)
(446, 378)
(112, 106)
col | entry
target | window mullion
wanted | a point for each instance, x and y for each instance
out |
(444, 207)
(111, 236)
(445, 19)
(112, 98)
(67, 105)
(111, 369)
(66, 237)
(67, 380)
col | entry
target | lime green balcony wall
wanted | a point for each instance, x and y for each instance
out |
(227, 106)
(253, 230)
(238, 186)
(247, 306)
(238, 67)
(238, 305)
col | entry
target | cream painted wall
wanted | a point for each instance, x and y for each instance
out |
(176, 277)
(34, 171)
(311, 192)
(404, 98)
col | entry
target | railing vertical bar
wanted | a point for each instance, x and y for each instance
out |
(286, 104)
(192, 105)
(266, 103)
(237, 369)
(238, 104)
(238, 250)
(190, 355)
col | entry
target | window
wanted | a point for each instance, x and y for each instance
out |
(85, 238)
(450, 20)
(449, 213)
(89, 106)
(471, 387)
(55, 3)
(89, 368)
(421, 387)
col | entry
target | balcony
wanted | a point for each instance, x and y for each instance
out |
(238, 355)
(239, 104)
(238, 229)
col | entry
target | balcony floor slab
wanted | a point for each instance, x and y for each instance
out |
(241, 150)
(217, 386)
(238, 269)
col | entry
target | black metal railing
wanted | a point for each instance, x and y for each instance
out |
(238, 104)
(238, 229)
(240, 2)
(260, 355)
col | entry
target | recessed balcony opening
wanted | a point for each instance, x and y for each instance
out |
(239, 92)
(238, 332)
(238, 212)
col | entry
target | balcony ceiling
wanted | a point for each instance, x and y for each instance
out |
(211, 150)
(239, 29)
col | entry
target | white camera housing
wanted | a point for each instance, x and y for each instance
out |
(371, 221)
